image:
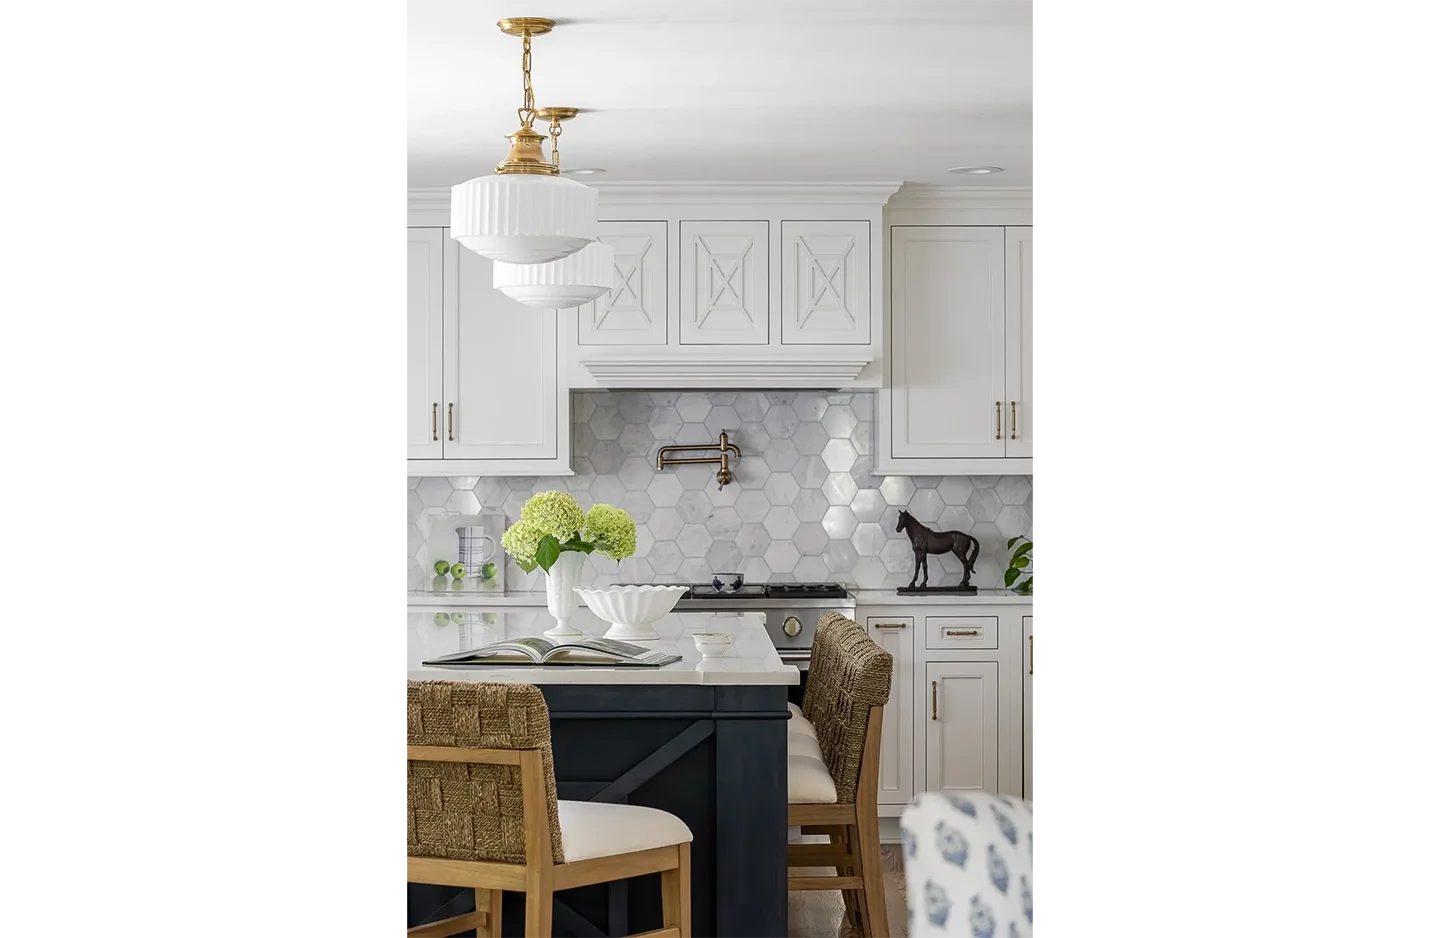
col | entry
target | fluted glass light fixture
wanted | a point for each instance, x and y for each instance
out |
(526, 213)
(570, 281)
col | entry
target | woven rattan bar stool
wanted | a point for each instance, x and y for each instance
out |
(834, 769)
(482, 813)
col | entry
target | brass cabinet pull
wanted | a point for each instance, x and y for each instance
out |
(434, 421)
(997, 420)
(450, 421)
(1012, 420)
(889, 625)
(962, 631)
(1032, 654)
(934, 702)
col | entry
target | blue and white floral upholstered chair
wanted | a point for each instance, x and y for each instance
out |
(968, 865)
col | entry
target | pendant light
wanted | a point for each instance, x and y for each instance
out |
(526, 213)
(570, 281)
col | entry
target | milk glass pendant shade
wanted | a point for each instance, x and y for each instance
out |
(523, 218)
(568, 282)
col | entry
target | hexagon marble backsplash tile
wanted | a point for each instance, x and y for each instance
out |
(803, 506)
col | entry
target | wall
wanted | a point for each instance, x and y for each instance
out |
(803, 505)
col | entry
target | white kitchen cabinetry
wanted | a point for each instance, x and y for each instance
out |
(633, 312)
(424, 377)
(1029, 622)
(825, 283)
(1019, 339)
(897, 739)
(958, 395)
(503, 407)
(724, 282)
(962, 734)
(957, 712)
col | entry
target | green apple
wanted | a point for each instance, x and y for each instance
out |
(457, 570)
(487, 571)
(442, 567)
(458, 618)
(442, 618)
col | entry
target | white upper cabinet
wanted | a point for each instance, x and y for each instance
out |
(500, 368)
(825, 282)
(958, 396)
(948, 342)
(484, 389)
(1019, 338)
(633, 312)
(425, 305)
(724, 282)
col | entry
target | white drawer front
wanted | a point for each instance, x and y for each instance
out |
(952, 633)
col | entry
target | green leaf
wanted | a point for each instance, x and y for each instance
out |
(1024, 549)
(1011, 576)
(1020, 563)
(576, 544)
(547, 552)
(1027, 587)
(526, 565)
(1011, 542)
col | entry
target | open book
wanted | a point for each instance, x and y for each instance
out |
(533, 651)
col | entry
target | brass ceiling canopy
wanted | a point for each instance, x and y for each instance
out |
(527, 152)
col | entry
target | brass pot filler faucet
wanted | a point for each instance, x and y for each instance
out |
(724, 446)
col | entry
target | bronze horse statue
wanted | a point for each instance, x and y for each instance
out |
(925, 541)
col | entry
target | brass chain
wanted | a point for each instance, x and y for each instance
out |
(555, 141)
(526, 111)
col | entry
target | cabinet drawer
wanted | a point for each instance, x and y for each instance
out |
(879, 625)
(962, 632)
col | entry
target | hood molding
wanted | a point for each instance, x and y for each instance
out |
(723, 373)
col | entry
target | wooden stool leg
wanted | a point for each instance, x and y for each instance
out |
(867, 836)
(539, 908)
(488, 900)
(675, 893)
(849, 896)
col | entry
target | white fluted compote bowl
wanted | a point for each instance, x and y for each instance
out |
(632, 610)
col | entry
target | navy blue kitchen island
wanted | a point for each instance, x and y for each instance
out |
(704, 740)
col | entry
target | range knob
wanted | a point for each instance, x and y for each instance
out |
(791, 626)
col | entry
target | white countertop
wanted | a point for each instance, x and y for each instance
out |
(472, 593)
(751, 659)
(981, 598)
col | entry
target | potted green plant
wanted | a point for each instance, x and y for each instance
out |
(1020, 566)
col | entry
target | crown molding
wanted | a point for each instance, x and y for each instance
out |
(914, 195)
(437, 198)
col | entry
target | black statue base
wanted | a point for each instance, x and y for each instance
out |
(910, 590)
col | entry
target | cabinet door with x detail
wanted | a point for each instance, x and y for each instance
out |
(724, 282)
(825, 277)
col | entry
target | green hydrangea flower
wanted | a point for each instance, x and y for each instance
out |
(555, 513)
(611, 530)
(520, 541)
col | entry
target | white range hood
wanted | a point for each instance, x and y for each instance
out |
(667, 369)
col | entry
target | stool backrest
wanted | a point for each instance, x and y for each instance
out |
(849, 674)
(470, 747)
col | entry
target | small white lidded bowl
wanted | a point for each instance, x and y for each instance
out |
(713, 644)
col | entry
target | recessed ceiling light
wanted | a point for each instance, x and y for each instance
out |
(976, 170)
(580, 172)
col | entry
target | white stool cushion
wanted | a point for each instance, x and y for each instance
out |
(590, 829)
(810, 781)
(798, 723)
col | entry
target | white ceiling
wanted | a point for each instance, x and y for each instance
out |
(735, 90)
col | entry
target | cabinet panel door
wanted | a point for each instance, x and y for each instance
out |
(947, 350)
(825, 277)
(424, 342)
(500, 367)
(962, 734)
(1019, 334)
(724, 282)
(1028, 622)
(897, 733)
(633, 312)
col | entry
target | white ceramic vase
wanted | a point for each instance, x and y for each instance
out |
(560, 582)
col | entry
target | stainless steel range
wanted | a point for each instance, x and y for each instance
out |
(792, 610)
